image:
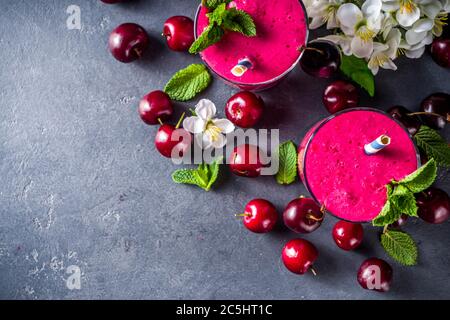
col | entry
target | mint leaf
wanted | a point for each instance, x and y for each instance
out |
(211, 35)
(204, 176)
(188, 82)
(213, 4)
(400, 246)
(239, 21)
(405, 203)
(389, 214)
(422, 178)
(287, 155)
(434, 145)
(358, 71)
(217, 15)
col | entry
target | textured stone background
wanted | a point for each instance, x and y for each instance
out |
(83, 185)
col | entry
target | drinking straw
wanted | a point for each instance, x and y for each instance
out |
(242, 66)
(378, 144)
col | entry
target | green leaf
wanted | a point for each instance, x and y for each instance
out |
(400, 246)
(211, 35)
(239, 21)
(204, 176)
(389, 214)
(422, 178)
(357, 70)
(217, 15)
(434, 145)
(213, 4)
(404, 203)
(287, 155)
(188, 82)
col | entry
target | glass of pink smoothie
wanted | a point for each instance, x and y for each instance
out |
(340, 176)
(281, 28)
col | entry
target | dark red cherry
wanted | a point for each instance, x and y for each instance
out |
(404, 116)
(244, 109)
(303, 215)
(375, 274)
(400, 222)
(434, 205)
(440, 51)
(179, 33)
(260, 216)
(155, 107)
(348, 236)
(437, 106)
(321, 59)
(246, 161)
(299, 255)
(340, 95)
(128, 42)
(170, 140)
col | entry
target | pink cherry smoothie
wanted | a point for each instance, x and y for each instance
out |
(281, 30)
(338, 173)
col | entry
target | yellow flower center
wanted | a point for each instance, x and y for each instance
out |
(213, 131)
(364, 32)
(407, 6)
(439, 22)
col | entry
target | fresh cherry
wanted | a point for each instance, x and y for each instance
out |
(246, 161)
(400, 222)
(321, 59)
(179, 33)
(434, 205)
(375, 274)
(407, 118)
(340, 95)
(440, 51)
(436, 109)
(260, 216)
(155, 107)
(299, 255)
(167, 144)
(244, 109)
(303, 215)
(128, 42)
(348, 236)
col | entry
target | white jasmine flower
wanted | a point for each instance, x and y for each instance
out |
(384, 53)
(321, 12)
(361, 24)
(208, 131)
(341, 40)
(408, 12)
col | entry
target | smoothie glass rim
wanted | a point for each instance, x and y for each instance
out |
(325, 121)
(267, 82)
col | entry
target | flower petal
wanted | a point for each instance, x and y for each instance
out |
(423, 25)
(414, 37)
(415, 54)
(349, 15)
(432, 9)
(372, 8)
(205, 109)
(361, 48)
(406, 18)
(225, 125)
(194, 124)
(220, 142)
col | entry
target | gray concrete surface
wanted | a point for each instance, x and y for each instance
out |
(82, 184)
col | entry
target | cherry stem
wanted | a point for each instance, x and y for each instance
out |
(138, 52)
(312, 49)
(429, 114)
(323, 209)
(179, 121)
(312, 217)
(242, 215)
(313, 271)
(160, 121)
(385, 229)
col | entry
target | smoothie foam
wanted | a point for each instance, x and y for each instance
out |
(341, 176)
(281, 29)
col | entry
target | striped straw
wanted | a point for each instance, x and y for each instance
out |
(242, 66)
(379, 144)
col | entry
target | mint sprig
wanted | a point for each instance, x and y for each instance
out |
(401, 200)
(400, 246)
(434, 145)
(204, 176)
(222, 19)
(287, 157)
(188, 82)
(358, 71)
